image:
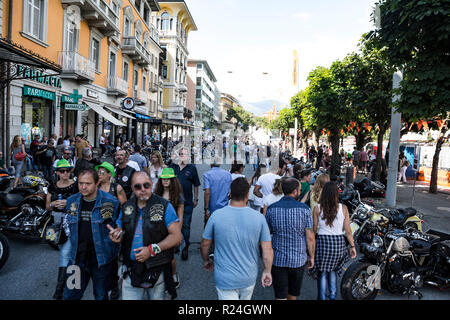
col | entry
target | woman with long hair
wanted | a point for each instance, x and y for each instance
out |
(57, 195)
(170, 189)
(256, 203)
(276, 195)
(156, 167)
(316, 189)
(18, 156)
(330, 219)
(106, 175)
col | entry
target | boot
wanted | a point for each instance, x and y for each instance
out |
(62, 276)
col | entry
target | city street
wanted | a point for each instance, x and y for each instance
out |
(31, 271)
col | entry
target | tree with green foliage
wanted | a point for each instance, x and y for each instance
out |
(328, 109)
(369, 76)
(417, 36)
(243, 117)
(298, 103)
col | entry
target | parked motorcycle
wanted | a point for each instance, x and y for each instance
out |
(22, 209)
(370, 189)
(4, 250)
(400, 262)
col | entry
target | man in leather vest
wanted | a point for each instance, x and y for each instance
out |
(148, 229)
(124, 172)
(92, 253)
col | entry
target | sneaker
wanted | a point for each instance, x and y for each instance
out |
(176, 279)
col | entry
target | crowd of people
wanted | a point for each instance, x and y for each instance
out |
(122, 223)
(138, 211)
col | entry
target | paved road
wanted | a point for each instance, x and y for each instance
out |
(30, 273)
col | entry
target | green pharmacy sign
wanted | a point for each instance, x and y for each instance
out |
(35, 92)
(77, 107)
(38, 76)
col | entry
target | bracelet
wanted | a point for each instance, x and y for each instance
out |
(352, 246)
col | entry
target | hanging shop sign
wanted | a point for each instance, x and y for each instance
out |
(71, 98)
(142, 117)
(38, 76)
(74, 106)
(40, 93)
(128, 103)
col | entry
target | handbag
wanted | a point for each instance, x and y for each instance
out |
(141, 277)
(19, 156)
(55, 234)
(251, 196)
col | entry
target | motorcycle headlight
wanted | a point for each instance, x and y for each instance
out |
(377, 242)
(362, 214)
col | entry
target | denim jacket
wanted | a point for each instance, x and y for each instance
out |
(106, 208)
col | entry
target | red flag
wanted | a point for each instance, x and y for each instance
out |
(419, 124)
(353, 123)
(358, 128)
(425, 125)
(342, 131)
(440, 124)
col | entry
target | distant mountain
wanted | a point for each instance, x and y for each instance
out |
(258, 108)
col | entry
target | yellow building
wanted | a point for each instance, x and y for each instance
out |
(108, 50)
(175, 22)
(227, 102)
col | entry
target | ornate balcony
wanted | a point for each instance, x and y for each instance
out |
(76, 66)
(133, 48)
(98, 14)
(117, 86)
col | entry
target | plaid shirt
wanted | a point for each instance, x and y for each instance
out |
(288, 219)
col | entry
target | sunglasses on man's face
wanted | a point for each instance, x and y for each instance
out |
(63, 171)
(146, 185)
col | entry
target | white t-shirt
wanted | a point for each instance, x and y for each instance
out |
(236, 175)
(271, 198)
(267, 181)
(102, 140)
(338, 224)
(134, 165)
(154, 174)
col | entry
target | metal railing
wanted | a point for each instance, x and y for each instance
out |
(117, 83)
(72, 61)
(132, 42)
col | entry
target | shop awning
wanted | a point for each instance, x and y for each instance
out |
(105, 114)
(120, 112)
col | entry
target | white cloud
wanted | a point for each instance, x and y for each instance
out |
(303, 16)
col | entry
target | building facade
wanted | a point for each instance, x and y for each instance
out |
(227, 102)
(174, 23)
(108, 50)
(207, 95)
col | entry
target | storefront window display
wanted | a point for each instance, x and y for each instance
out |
(36, 117)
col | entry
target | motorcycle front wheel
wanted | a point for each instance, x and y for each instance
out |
(353, 280)
(4, 250)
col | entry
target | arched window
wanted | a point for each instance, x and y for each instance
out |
(165, 21)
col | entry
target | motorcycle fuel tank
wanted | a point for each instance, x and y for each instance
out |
(420, 247)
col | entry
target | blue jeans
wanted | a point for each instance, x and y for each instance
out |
(186, 228)
(64, 254)
(327, 279)
(101, 279)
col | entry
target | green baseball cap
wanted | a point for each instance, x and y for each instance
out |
(167, 173)
(63, 163)
(108, 166)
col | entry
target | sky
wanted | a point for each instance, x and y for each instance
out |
(253, 37)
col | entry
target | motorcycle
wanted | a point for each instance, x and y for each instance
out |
(400, 262)
(366, 220)
(370, 189)
(4, 250)
(22, 209)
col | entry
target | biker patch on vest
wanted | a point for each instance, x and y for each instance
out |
(156, 212)
(128, 210)
(124, 178)
(107, 210)
(73, 209)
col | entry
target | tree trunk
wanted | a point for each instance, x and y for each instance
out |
(379, 153)
(434, 171)
(335, 163)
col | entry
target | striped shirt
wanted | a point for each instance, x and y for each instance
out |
(288, 219)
